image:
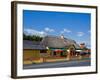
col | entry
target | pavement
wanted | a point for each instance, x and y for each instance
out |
(73, 63)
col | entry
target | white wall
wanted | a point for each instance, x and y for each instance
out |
(5, 40)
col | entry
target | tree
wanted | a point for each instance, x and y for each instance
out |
(32, 37)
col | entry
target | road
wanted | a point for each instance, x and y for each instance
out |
(59, 64)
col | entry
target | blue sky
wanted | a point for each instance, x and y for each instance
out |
(75, 26)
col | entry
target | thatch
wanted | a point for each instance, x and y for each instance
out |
(33, 45)
(50, 41)
(58, 42)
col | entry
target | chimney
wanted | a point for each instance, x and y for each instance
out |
(62, 36)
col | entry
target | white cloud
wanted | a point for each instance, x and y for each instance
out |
(34, 32)
(89, 31)
(65, 31)
(80, 34)
(48, 29)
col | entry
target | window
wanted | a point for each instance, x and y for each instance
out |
(43, 51)
(54, 53)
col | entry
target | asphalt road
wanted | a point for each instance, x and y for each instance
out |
(58, 64)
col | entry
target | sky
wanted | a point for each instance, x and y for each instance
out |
(72, 25)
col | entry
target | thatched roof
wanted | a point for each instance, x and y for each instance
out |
(72, 42)
(49, 41)
(58, 42)
(32, 45)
